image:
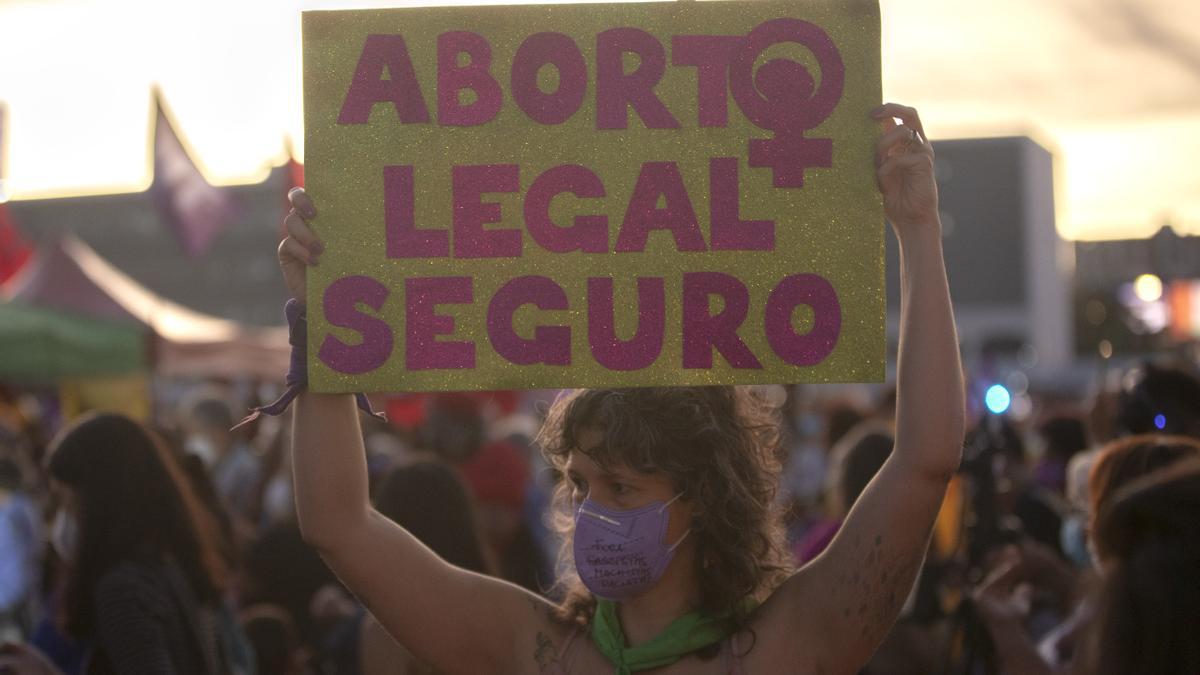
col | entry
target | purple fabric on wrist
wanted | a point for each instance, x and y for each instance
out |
(297, 375)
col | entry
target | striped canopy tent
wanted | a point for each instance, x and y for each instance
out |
(68, 278)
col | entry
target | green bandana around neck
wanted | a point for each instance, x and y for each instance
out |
(690, 632)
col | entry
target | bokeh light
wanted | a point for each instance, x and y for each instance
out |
(997, 399)
(1148, 288)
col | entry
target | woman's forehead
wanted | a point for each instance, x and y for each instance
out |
(580, 463)
(587, 439)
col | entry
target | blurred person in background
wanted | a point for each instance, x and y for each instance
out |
(1101, 428)
(840, 418)
(454, 426)
(1073, 535)
(1023, 507)
(1158, 399)
(805, 463)
(386, 448)
(1061, 438)
(272, 500)
(498, 477)
(1004, 598)
(1147, 540)
(519, 429)
(143, 573)
(429, 500)
(280, 571)
(233, 465)
(497, 474)
(202, 486)
(21, 544)
(277, 647)
(854, 461)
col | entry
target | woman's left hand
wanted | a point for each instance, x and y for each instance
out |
(904, 170)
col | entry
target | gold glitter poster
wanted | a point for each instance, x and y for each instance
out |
(668, 193)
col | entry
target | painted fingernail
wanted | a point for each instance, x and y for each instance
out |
(318, 248)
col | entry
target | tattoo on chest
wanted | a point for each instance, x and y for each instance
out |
(544, 653)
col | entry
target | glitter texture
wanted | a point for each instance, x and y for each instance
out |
(657, 182)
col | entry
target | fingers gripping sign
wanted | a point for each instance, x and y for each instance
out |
(904, 169)
(301, 248)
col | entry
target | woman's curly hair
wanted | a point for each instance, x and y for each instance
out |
(719, 446)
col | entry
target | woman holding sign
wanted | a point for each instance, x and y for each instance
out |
(667, 504)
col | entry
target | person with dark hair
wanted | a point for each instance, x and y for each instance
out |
(1157, 399)
(276, 646)
(1119, 464)
(235, 469)
(1062, 436)
(840, 418)
(21, 544)
(1021, 507)
(854, 461)
(143, 571)
(668, 504)
(498, 478)
(201, 484)
(279, 569)
(430, 501)
(454, 426)
(1148, 609)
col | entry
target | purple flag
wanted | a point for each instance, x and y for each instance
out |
(195, 210)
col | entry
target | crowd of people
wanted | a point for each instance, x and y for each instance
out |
(673, 530)
(1089, 521)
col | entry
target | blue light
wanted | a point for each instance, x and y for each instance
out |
(1160, 422)
(997, 399)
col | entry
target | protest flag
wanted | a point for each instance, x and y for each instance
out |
(195, 211)
(15, 250)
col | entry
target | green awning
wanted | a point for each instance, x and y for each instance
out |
(39, 345)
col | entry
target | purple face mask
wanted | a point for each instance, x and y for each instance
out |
(621, 554)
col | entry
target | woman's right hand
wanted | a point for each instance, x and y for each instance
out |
(301, 249)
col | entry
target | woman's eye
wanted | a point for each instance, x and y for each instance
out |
(620, 489)
(578, 486)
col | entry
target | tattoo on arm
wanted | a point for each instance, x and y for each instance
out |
(874, 594)
(544, 653)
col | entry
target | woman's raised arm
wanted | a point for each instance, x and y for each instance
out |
(452, 619)
(849, 597)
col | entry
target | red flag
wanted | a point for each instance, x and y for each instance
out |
(195, 210)
(15, 251)
(295, 172)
